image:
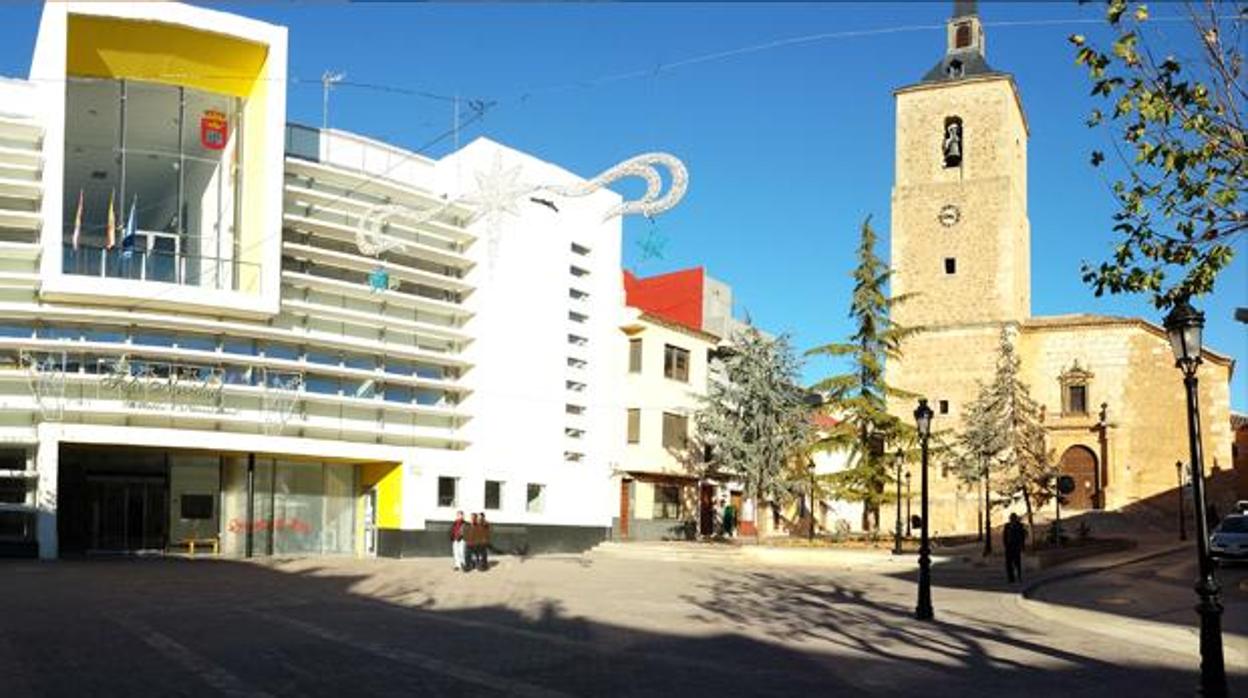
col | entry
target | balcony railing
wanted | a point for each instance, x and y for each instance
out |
(178, 268)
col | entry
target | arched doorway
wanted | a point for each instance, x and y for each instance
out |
(1079, 462)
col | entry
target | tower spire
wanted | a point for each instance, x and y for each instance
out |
(964, 52)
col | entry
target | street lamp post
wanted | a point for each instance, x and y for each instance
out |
(908, 518)
(897, 507)
(923, 419)
(1184, 325)
(1178, 470)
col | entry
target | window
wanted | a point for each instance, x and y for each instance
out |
(171, 157)
(944, 407)
(1074, 382)
(951, 138)
(955, 69)
(446, 491)
(634, 356)
(667, 501)
(951, 265)
(577, 340)
(574, 409)
(579, 249)
(578, 271)
(675, 431)
(535, 498)
(493, 494)
(962, 37)
(1077, 399)
(634, 425)
(676, 363)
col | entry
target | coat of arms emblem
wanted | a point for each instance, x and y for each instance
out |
(213, 130)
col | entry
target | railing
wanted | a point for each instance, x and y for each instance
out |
(164, 267)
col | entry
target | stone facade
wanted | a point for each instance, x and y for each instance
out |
(975, 212)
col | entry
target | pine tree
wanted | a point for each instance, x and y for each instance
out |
(859, 397)
(975, 455)
(756, 418)
(1004, 438)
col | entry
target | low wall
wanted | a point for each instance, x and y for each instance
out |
(505, 539)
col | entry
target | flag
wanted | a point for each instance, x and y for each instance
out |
(111, 230)
(78, 221)
(127, 238)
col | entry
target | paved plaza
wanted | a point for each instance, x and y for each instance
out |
(613, 623)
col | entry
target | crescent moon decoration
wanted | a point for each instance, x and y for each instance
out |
(369, 236)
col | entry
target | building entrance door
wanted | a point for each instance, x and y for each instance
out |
(1079, 462)
(128, 513)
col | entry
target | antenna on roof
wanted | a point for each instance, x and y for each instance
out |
(328, 78)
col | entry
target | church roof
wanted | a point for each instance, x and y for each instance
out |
(973, 64)
(965, 60)
(1073, 320)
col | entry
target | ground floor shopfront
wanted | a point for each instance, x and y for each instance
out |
(106, 490)
(125, 500)
(654, 506)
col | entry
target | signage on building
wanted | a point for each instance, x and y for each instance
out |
(214, 130)
(149, 384)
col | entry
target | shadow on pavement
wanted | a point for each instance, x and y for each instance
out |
(190, 628)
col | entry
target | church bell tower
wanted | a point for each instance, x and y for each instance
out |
(960, 235)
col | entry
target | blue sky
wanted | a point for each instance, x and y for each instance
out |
(789, 147)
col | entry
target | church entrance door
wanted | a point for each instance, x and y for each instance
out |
(1079, 462)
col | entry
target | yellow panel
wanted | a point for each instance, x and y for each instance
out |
(389, 481)
(252, 232)
(115, 48)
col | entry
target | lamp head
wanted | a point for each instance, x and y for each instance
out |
(923, 418)
(1184, 324)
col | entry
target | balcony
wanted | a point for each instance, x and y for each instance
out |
(155, 257)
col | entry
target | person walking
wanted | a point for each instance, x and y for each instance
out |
(471, 538)
(457, 540)
(730, 519)
(1014, 535)
(483, 543)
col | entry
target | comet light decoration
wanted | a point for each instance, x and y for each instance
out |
(500, 190)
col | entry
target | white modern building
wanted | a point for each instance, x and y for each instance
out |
(222, 329)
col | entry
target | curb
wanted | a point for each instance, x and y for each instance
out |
(1163, 636)
(1062, 575)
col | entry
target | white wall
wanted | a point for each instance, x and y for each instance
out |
(653, 393)
(520, 348)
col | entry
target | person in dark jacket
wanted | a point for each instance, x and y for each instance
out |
(472, 541)
(458, 530)
(1014, 535)
(483, 543)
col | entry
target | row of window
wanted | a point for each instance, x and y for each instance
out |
(228, 345)
(675, 429)
(1074, 401)
(84, 363)
(675, 360)
(534, 495)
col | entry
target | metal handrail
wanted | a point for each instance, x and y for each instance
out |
(201, 271)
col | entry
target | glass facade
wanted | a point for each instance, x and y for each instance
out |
(166, 156)
(298, 507)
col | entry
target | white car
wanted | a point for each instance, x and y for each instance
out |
(1229, 540)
